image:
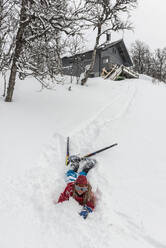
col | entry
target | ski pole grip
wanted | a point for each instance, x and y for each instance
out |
(67, 152)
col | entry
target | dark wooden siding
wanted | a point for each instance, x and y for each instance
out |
(110, 56)
(105, 57)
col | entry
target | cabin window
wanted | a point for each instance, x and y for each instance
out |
(106, 60)
(114, 50)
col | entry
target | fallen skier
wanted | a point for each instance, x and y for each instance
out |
(77, 185)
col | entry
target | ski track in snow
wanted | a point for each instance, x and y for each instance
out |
(44, 184)
(87, 134)
(98, 224)
(50, 183)
(57, 223)
(138, 232)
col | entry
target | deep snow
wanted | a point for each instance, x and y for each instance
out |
(129, 180)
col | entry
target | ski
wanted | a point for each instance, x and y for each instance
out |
(67, 152)
(98, 151)
(87, 155)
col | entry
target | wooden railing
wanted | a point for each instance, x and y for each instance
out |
(119, 70)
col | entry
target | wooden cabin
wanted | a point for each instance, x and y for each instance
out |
(108, 54)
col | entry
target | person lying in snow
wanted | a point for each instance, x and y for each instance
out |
(77, 185)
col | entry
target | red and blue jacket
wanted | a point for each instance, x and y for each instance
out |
(68, 192)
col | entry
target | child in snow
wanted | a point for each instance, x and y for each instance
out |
(77, 185)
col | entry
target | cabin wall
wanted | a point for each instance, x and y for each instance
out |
(76, 65)
(110, 56)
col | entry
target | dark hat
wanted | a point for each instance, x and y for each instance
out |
(81, 180)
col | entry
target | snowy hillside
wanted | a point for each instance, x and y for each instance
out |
(129, 180)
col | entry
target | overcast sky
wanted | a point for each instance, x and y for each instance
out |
(149, 21)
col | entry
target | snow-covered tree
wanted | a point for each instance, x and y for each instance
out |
(75, 46)
(106, 16)
(142, 57)
(160, 64)
(149, 63)
(41, 25)
(7, 27)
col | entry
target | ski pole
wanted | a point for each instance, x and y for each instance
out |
(67, 152)
(101, 150)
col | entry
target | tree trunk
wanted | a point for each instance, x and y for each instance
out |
(17, 52)
(58, 48)
(11, 84)
(84, 80)
(4, 89)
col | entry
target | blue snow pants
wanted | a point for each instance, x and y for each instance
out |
(71, 175)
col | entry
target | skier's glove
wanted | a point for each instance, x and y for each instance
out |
(85, 211)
